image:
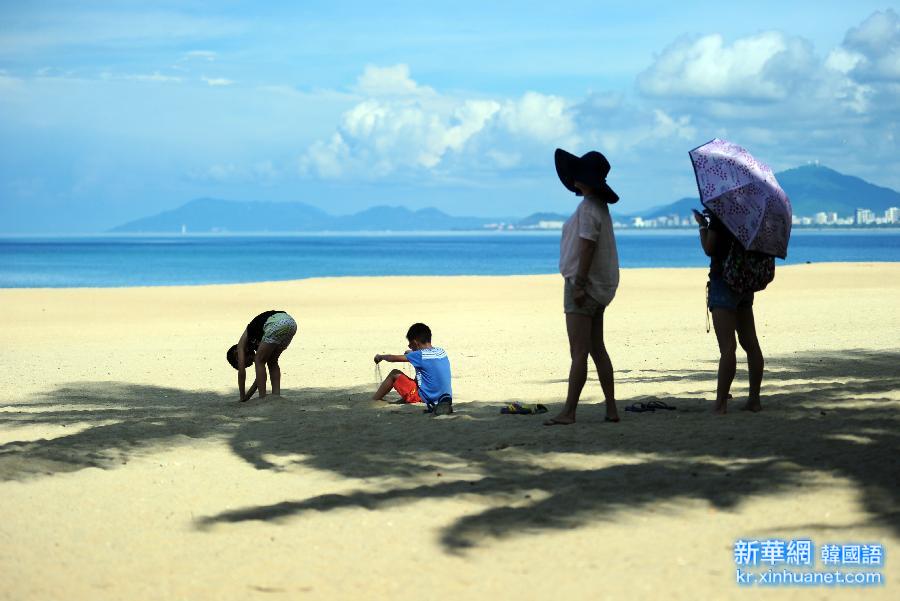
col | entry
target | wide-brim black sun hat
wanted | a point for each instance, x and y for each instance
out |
(591, 169)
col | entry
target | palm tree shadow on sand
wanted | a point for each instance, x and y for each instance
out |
(836, 414)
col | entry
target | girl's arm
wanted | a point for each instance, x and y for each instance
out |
(242, 360)
(249, 392)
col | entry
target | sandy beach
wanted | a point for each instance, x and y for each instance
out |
(129, 471)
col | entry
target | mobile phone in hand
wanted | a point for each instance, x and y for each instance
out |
(700, 217)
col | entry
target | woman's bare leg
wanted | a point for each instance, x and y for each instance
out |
(746, 330)
(604, 366)
(579, 330)
(725, 322)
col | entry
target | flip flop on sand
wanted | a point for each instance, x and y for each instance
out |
(653, 405)
(518, 408)
(638, 408)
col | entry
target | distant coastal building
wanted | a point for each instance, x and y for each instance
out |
(865, 216)
(892, 215)
(550, 225)
(672, 220)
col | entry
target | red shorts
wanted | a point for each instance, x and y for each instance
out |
(407, 388)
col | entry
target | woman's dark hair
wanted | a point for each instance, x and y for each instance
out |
(420, 333)
(232, 356)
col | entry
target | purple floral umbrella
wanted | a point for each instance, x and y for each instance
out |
(744, 194)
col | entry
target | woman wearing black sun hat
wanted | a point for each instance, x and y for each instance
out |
(589, 262)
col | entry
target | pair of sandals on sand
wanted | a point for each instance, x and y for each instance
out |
(517, 408)
(651, 407)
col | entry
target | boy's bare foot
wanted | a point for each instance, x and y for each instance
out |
(753, 406)
(560, 420)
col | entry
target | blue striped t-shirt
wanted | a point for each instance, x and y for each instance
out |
(432, 373)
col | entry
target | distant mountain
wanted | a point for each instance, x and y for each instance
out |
(814, 188)
(215, 215)
(384, 218)
(811, 188)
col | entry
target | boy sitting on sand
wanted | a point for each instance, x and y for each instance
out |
(432, 383)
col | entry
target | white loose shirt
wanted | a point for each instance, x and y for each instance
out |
(591, 221)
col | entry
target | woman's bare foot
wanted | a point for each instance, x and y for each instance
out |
(721, 407)
(752, 405)
(563, 419)
(612, 412)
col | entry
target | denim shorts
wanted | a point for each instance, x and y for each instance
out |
(721, 296)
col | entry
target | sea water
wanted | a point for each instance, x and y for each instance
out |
(104, 261)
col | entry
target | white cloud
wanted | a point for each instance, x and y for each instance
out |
(217, 81)
(504, 160)
(875, 45)
(390, 81)
(155, 77)
(400, 124)
(397, 124)
(112, 28)
(772, 78)
(632, 130)
(842, 60)
(666, 126)
(774, 94)
(770, 90)
(544, 118)
(327, 159)
(758, 67)
(202, 55)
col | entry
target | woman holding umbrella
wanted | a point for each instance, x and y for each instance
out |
(589, 263)
(731, 312)
(748, 225)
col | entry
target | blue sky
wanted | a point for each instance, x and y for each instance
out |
(111, 111)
